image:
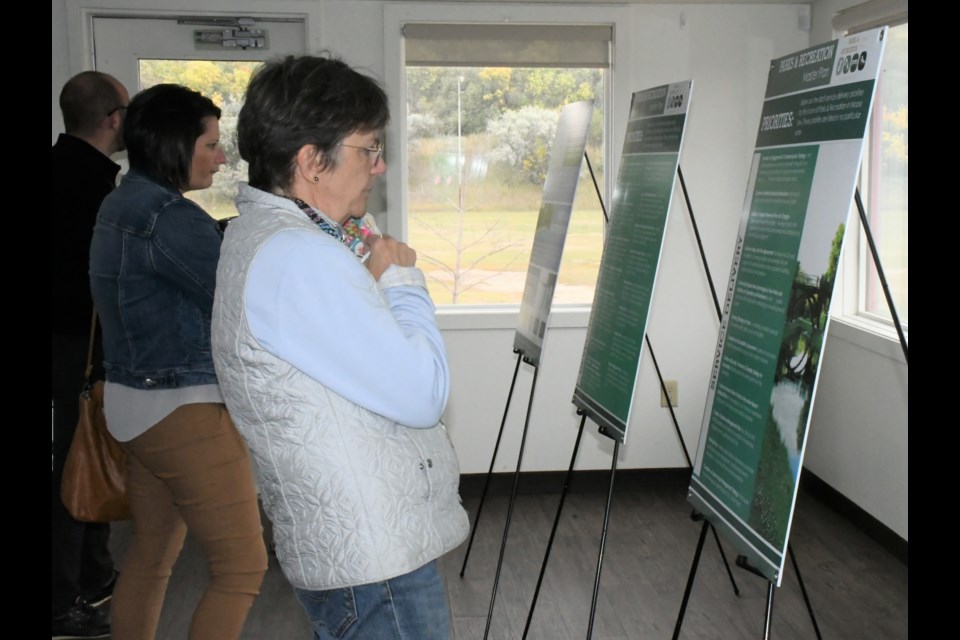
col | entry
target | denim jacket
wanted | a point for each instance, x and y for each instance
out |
(153, 263)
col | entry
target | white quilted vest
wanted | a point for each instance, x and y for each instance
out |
(353, 497)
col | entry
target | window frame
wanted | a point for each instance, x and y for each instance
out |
(496, 316)
(865, 256)
(849, 308)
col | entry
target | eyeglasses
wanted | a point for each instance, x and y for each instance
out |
(115, 109)
(377, 149)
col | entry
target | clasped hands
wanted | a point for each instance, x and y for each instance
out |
(385, 251)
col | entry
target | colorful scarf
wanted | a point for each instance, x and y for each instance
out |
(352, 233)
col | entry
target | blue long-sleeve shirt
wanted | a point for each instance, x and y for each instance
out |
(310, 302)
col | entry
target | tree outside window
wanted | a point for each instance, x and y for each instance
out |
(479, 140)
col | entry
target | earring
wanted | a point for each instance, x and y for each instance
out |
(316, 178)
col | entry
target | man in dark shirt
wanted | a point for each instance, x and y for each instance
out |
(93, 106)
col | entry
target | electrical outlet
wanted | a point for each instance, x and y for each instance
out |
(671, 386)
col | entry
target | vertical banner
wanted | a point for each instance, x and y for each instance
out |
(559, 190)
(777, 307)
(631, 256)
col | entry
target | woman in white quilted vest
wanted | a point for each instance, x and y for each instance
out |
(331, 363)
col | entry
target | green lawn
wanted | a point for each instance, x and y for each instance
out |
(496, 242)
(497, 245)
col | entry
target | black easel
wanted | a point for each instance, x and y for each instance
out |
(616, 449)
(496, 448)
(516, 480)
(563, 494)
(513, 492)
(556, 521)
(603, 535)
(742, 560)
(743, 563)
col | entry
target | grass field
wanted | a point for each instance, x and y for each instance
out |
(494, 248)
(495, 252)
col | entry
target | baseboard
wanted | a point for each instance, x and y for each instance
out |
(873, 528)
(598, 481)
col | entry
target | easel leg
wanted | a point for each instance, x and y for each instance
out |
(553, 532)
(768, 615)
(880, 274)
(803, 590)
(513, 498)
(603, 538)
(725, 563)
(493, 458)
(693, 573)
(686, 454)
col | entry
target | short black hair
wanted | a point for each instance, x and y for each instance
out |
(304, 100)
(86, 99)
(161, 130)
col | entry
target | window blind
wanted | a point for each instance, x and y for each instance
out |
(507, 45)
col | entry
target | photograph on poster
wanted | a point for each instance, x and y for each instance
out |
(813, 274)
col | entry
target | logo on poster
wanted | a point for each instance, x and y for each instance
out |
(851, 63)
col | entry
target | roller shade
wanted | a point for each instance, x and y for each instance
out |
(507, 45)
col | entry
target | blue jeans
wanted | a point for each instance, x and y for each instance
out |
(409, 607)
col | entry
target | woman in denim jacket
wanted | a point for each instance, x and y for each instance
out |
(153, 264)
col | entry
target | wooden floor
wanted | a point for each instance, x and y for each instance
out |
(857, 588)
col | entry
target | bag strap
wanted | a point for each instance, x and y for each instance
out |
(88, 371)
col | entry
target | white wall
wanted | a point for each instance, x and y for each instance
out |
(725, 49)
(60, 63)
(858, 433)
(858, 439)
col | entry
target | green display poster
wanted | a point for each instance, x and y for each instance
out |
(559, 190)
(777, 306)
(631, 256)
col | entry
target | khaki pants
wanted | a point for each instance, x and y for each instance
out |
(190, 471)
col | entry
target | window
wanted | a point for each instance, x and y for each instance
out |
(224, 82)
(145, 50)
(884, 185)
(883, 174)
(482, 103)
